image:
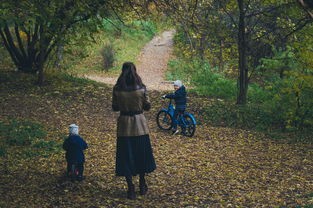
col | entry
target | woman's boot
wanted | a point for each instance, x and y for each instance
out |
(131, 192)
(131, 188)
(143, 188)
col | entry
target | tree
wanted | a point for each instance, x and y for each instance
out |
(256, 26)
(264, 25)
(242, 45)
(32, 29)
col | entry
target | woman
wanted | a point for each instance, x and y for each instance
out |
(133, 150)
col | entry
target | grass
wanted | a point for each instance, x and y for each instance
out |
(127, 42)
(25, 139)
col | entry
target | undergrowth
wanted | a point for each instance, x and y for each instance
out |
(277, 106)
(126, 41)
(28, 135)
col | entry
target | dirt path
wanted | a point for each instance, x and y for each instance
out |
(152, 63)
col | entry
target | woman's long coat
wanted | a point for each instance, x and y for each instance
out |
(131, 104)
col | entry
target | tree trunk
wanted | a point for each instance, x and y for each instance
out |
(21, 58)
(59, 56)
(242, 46)
(41, 56)
(220, 57)
(202, 46)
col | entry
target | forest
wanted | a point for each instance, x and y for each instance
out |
(248, 69)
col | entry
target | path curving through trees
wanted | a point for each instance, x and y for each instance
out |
(152, 63)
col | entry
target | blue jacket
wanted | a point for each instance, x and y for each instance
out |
(74, 146)
(180, 98)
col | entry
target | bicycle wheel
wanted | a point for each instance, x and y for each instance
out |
(164, 120)
(188, 126)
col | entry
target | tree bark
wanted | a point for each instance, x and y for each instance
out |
(41, 56)
(20, 57)
(221, 60)
(59, 55)
(242, 46)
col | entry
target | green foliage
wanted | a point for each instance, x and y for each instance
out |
(40, 26)
(280, 63)
(127, 40)
(290, 96)
(134, 29)
(285, 104)
(21, 133)
(29, 137)
(207, 80)
(5, 63)
(42, 144)
(258, 94)
(43, 148)
(282, 101)
(142, 29)
(294, 98)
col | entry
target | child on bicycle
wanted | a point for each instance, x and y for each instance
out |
(74, 145)
(180, 99)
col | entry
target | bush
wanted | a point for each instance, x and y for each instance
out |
(258, 94)
(207, 80)
(292, 101)
(143, 28)
(281, 106)
(108, 57)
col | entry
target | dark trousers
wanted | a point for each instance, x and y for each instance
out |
(76, 169)
(176, 114)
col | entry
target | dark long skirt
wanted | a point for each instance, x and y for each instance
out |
(134, 156)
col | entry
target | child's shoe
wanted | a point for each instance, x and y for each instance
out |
(80, 178)
(175, 132)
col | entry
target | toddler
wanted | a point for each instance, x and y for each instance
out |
(74, 145)
(180, 99)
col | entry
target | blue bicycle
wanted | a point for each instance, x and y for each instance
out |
(186, 121)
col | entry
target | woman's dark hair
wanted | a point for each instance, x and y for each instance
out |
(129, 79)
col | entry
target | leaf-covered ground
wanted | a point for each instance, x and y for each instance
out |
(218, 167)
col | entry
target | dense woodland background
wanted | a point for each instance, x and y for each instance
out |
(249, 65)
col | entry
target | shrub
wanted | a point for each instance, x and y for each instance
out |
(207, 80)
(282, 107)
(292, 101)
(108, 57)
(258, 94)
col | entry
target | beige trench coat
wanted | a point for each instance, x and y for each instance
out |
(131, 101)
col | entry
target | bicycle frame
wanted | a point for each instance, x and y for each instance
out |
(180, 121)
(170, 109)
(185, 120)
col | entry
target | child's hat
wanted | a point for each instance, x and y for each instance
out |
(73, 126)
(178, 83)
(73, 129)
